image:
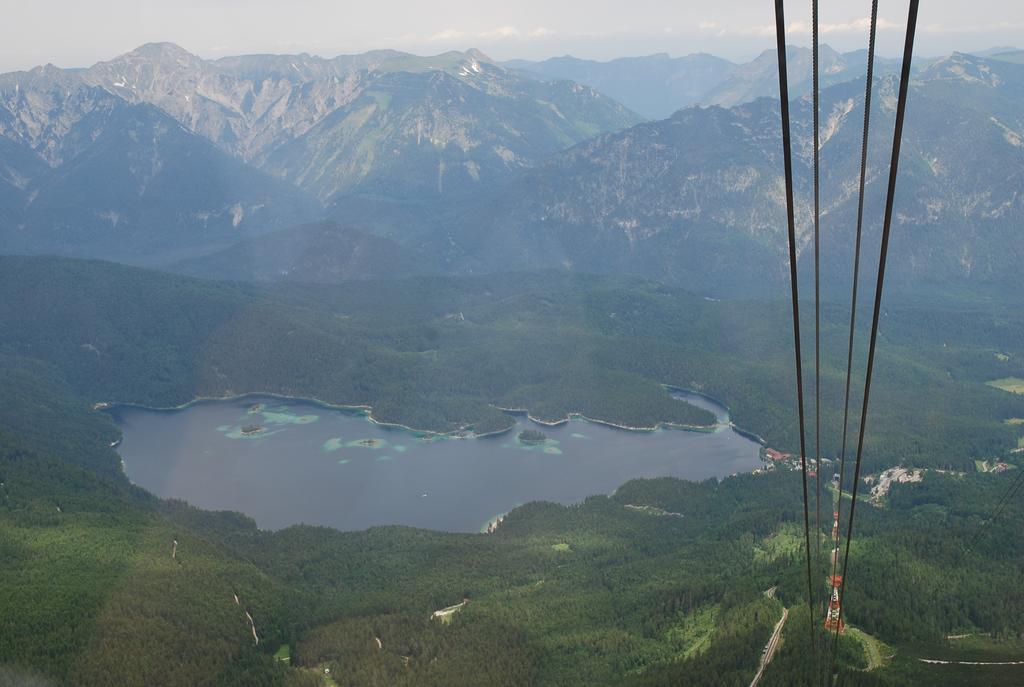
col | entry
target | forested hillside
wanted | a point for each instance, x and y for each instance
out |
(442, 354)
(662, 583)
(324, 252)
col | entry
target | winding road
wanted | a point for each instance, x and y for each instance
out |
(769, 649)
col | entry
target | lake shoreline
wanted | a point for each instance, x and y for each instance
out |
(365, 410)
(707, 429)
(464, 432)
(438, 485)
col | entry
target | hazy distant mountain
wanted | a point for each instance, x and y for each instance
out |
(442, 131)
(324, 252)
(760, 77)
(84, 172)
(452, 162)
(658, 85)
(655, 85)
(698, 199)
(244, 105)
(994, 52)
(1010, 55)
(386, 122)
(18, 166)
(159, 154)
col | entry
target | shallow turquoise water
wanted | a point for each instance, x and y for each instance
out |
(314, 465)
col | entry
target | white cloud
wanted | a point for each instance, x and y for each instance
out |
(541, 32)
(762, 30)
(853, 26)
(707, 25)
(978, 28)
(500, 32)
(800, 27)
(446, 35)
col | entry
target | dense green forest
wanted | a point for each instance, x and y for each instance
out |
(105, 585)
(665, 582)
(445, 353)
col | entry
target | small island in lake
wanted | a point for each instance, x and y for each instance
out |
(255, 408)
(369, 443)
(532, 436)
(249, 430)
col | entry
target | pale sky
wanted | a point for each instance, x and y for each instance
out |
(75, 33)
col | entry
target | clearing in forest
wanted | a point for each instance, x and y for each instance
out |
(877, 652)
(445, 614)
(693, 635)
(1015, 385)
(786, 542)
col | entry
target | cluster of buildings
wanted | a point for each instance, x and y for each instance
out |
(774, 459)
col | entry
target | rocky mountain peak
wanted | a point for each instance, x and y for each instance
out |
(165, 52)
(478, 55)
(43, 78)
(963, 67)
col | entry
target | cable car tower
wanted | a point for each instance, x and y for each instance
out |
(834, 617)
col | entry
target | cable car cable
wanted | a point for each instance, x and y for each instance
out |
(868, 86)
(901, 108)
(1009, 497)
(997, 510)
(787, 154)
(817, 283)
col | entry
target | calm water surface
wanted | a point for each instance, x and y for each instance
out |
(322, 466)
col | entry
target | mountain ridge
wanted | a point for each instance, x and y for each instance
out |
(673, 199)
(261, 138)
(257, 107)
(659, 85)
(424, 158)
(91, 174)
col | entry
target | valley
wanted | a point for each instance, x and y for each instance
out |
(609, 576)
(602, 348)
(438, 371)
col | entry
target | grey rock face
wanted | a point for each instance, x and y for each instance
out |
(333, 125)
(159, 154)
(698, 199)
(84, 172)
(243, 105)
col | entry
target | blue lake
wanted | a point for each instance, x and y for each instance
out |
(316, 465)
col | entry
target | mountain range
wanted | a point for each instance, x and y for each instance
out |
(656, 86)
(382, 122)
(697, 199)
(158, 154)
(87, 173)
(457, 164)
